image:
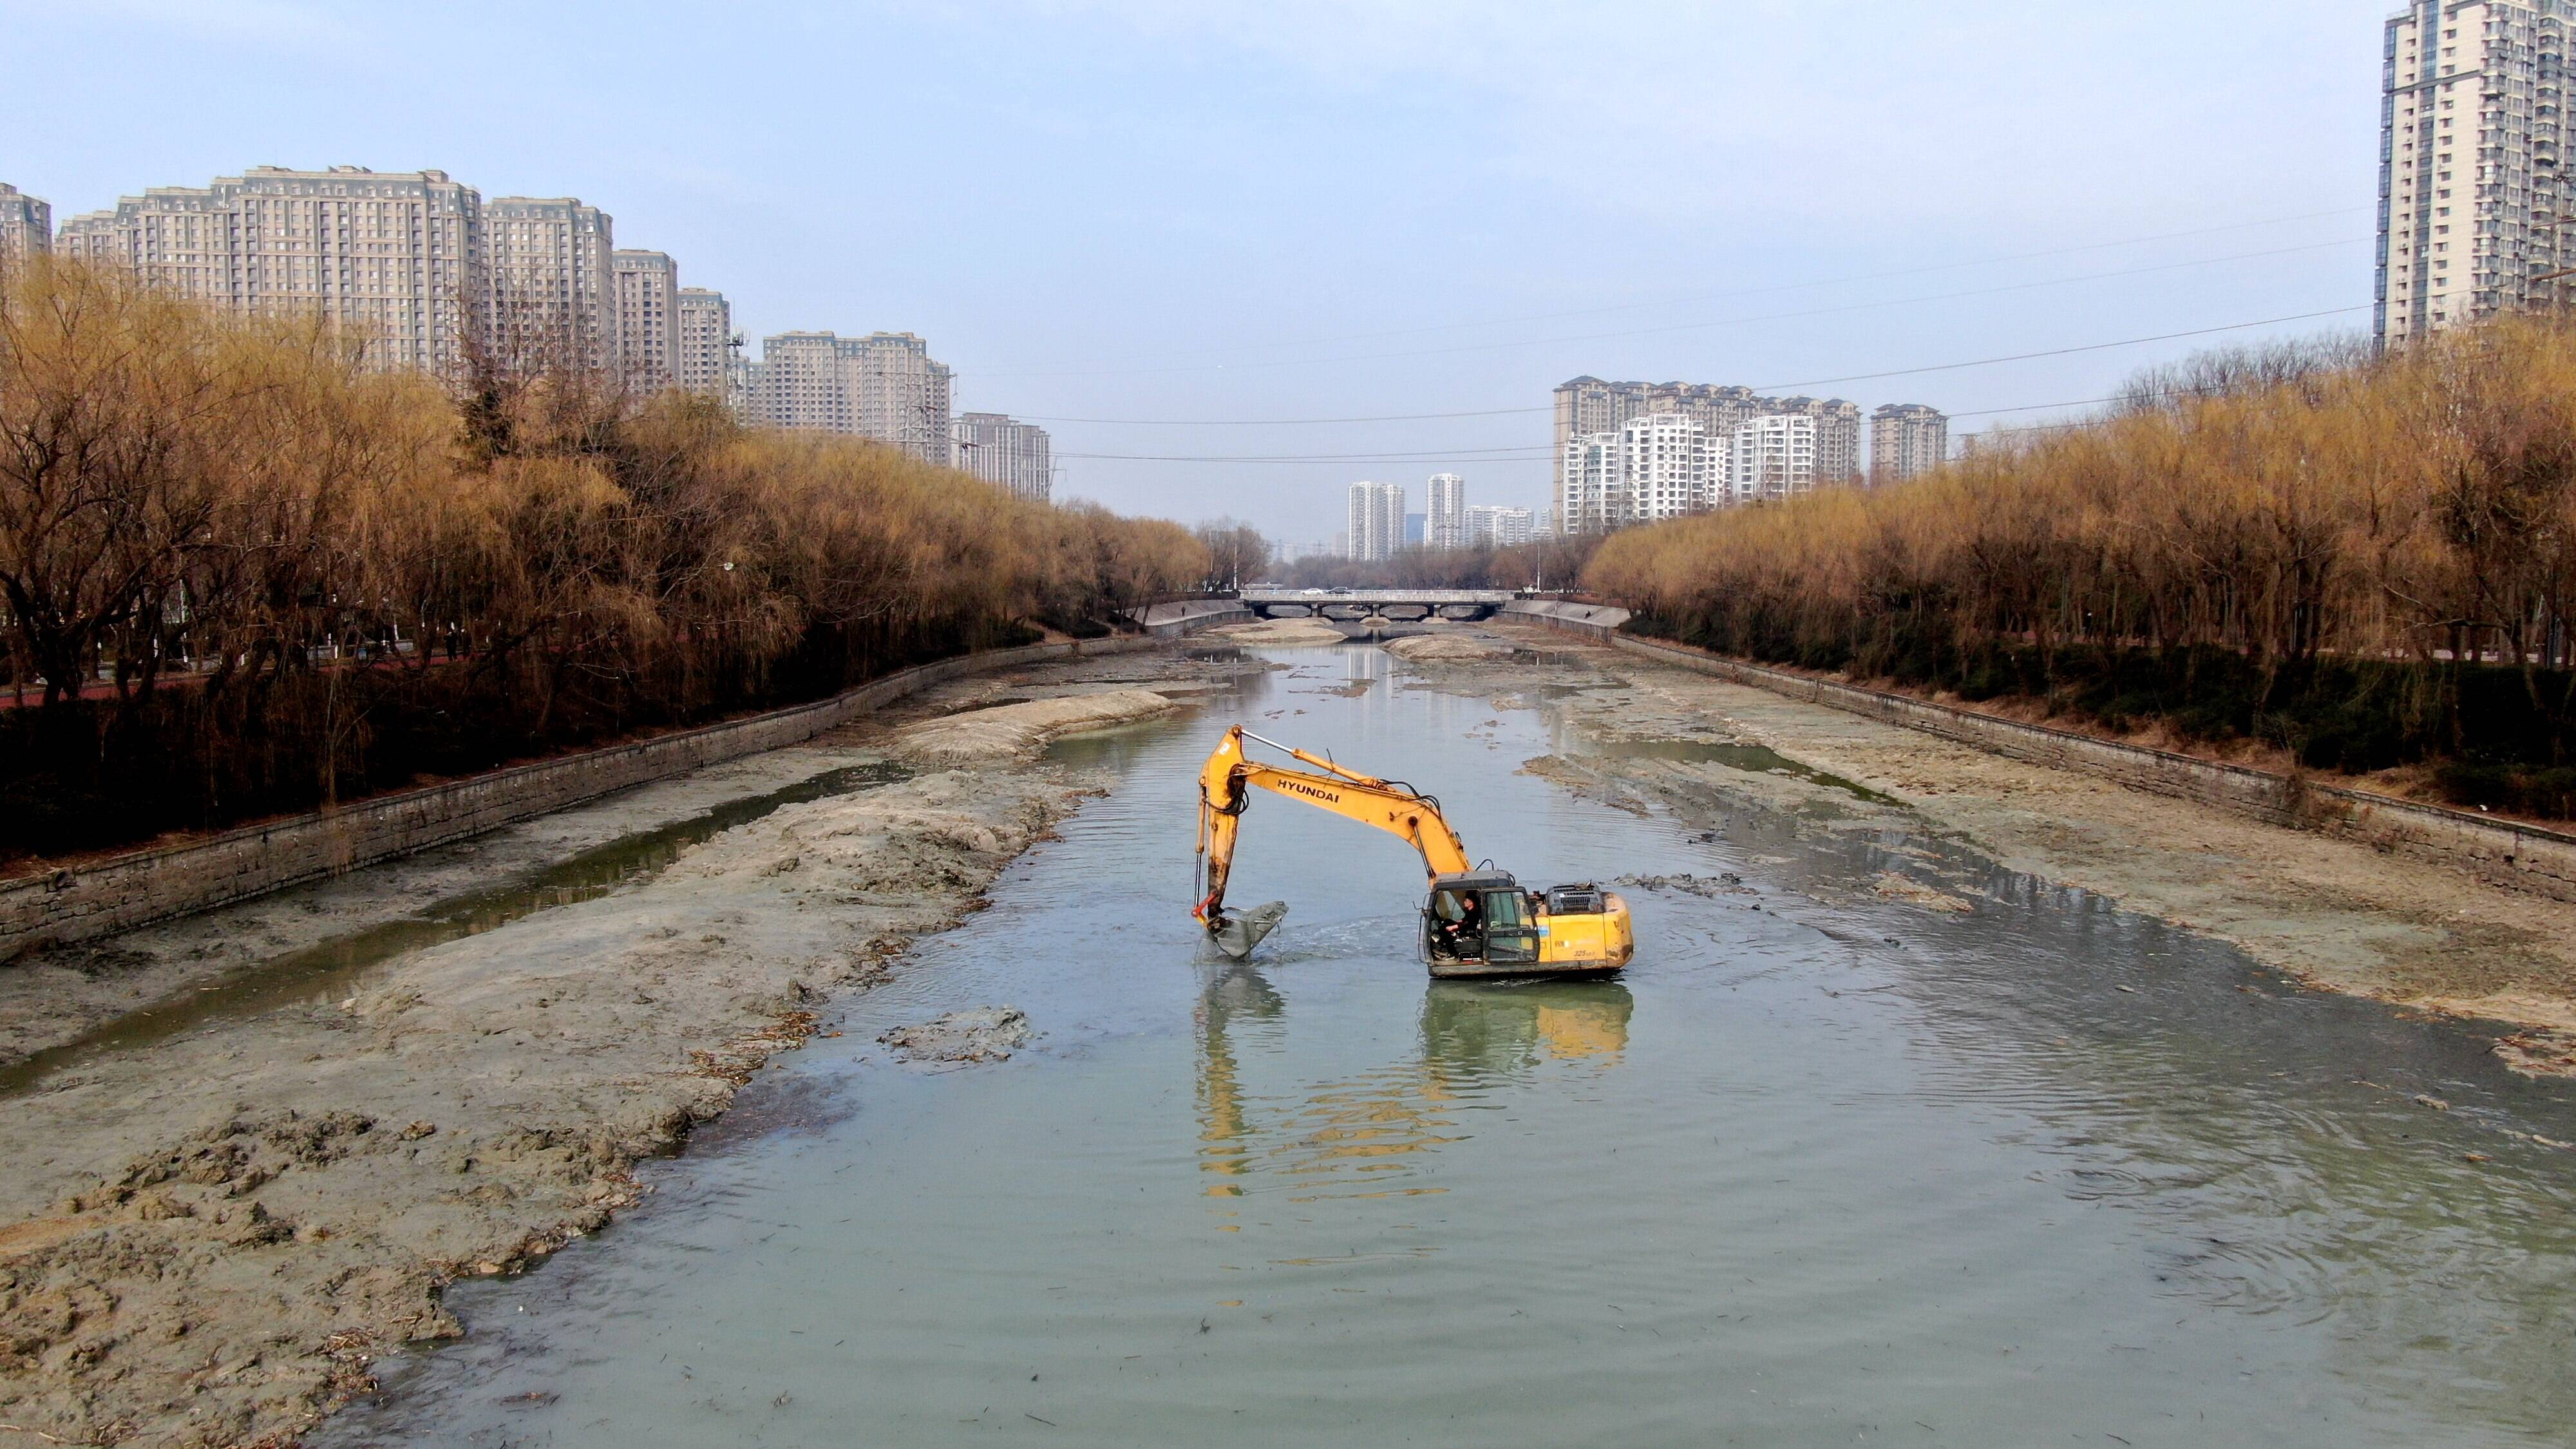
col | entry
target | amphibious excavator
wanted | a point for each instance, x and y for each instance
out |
(1478, 921)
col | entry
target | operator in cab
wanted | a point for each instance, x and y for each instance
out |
(1461, 932)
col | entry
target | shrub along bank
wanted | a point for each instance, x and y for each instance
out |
(2366, 562)
(350, 577)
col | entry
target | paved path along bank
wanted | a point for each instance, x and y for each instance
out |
(2333, 912)
(207, 1238)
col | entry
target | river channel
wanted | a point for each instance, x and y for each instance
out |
(1823, 1168)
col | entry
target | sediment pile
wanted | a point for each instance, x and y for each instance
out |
(1447, 648)
(1013, 730)
(1284, 632)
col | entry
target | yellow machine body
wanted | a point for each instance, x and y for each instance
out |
(1474, 922)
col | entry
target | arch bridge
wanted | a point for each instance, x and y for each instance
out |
(1352, 605)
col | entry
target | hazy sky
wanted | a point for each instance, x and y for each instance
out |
(1210, 210)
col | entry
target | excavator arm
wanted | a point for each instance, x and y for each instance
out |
(1225, 788)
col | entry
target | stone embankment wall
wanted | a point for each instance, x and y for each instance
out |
(133, 890)
(2519, 857)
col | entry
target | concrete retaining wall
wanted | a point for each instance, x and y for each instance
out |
(1165, 621)
(133, 890)
(2516, 856)
(1598, 621)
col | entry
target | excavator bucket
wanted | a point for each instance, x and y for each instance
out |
(1238, 933)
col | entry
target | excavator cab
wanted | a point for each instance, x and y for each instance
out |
(1476, 919)
(1482, 923)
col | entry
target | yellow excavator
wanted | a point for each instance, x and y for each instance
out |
(1477, 922)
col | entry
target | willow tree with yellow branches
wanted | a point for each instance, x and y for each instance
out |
(243, 573)
(2365, 562)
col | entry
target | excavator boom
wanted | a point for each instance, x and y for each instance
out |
(1224, 787)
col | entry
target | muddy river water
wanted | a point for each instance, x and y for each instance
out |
(1825, 1167)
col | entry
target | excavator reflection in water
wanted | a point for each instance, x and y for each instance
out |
(1367, 1135)
(1477, 921)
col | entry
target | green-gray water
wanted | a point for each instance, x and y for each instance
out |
(1822, 1169)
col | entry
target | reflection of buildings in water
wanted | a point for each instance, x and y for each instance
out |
(1365, 1136)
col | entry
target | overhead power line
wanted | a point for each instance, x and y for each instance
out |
(1279, 422)
(1668, 301)
(1477, 455)
(1706, 326)
(1512, 453)
(2064, 351)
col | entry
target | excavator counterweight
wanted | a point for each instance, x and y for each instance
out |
(1475, 922)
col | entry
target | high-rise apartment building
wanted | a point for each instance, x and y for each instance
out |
(1376, 521)
(705, 340)
(903, 396)
(396, 257)
(1665, 462)
(1489, 526)
(1001, 449)
(1906, 440)
(1588, 405)
(26, 224)
(1444, 518)
(883, 386)
(2473, 194)
(803, 383)
(648, 318)
(1589, 409)
(552, 282)
(1838, 434)
(1591, 483)
(1773, 457)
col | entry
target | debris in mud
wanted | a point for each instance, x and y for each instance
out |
(1914, 892)
(985, 1034)
(738, 1059)
(1728, 884)
(2540, 1052)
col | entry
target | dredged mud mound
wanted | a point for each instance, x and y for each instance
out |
(1282, 632)
(1447, 648)
(985, 1034)
(209, 1241)
(1014, 730)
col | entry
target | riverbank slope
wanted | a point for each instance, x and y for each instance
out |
(207, 1240)
(2333, 913)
